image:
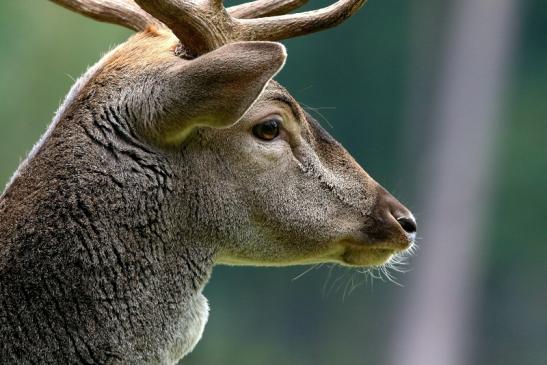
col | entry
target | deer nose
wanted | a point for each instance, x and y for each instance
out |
(397, 217)
(408, 224)
(402, 215)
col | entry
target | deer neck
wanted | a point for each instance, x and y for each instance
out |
(91, 222)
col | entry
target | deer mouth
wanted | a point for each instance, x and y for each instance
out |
(371, 254)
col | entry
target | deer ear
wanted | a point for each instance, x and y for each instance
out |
(216, 89)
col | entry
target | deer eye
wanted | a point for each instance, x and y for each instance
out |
(267, 130)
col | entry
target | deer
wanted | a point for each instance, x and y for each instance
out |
(177, 152)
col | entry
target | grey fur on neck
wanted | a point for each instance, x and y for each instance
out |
(92, 235)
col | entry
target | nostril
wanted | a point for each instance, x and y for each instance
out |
(408, 224)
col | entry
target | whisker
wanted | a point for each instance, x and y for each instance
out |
(316, 110)
(335, 286)
(305, 88)
(327, 280)
(354, 285)
(305, 272)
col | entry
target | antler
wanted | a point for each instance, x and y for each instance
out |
(204, 25)
(128, 14)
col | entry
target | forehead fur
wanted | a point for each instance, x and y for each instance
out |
(143, 50)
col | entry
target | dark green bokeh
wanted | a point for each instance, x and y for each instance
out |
(355, 76)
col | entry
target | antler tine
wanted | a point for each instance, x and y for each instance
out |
(294, 25)
(121, 12)
(264, 8)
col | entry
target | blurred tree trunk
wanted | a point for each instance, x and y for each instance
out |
(438, 321)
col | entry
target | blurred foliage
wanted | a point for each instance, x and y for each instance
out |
(354, 80)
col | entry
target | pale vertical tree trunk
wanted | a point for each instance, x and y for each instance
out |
(437, 323)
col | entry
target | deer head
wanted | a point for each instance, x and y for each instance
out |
(178, 147)
(198, 77)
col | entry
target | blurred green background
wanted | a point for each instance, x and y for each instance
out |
(376, 83)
